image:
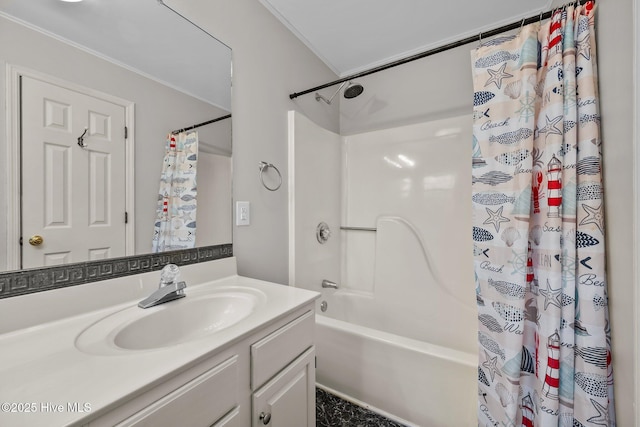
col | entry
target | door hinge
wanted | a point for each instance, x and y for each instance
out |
(126, 132)
(126, 217)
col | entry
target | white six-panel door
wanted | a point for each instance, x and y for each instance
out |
(73, 197)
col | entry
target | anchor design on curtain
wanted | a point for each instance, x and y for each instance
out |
(544, 338)
(175, 225)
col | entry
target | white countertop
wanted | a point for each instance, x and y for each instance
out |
(40, 366)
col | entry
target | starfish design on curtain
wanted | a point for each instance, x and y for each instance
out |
(186, 216)
(491, 363)
(190, 149)
(594, 216)
(584, 47)
(497, 76)
(550, 126)
(603, 414)
(551, 296)
(496, 218)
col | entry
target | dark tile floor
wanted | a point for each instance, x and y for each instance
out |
(331, 411)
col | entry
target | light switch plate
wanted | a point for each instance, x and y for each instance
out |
(243, 213)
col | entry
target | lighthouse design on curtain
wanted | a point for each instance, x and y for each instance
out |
(554, 187)
(175, 225)
(552, 375)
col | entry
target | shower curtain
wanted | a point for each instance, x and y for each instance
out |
(175, 225)
(538, 228)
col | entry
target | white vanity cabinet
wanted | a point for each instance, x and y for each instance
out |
(288, 400)
(283, 376)
(203, 401)
(266, 378)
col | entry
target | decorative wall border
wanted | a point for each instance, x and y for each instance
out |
(24, 282)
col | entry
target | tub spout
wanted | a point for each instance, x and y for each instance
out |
(329, 284)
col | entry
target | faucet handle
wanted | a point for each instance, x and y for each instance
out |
(169, 274)
(180, 287)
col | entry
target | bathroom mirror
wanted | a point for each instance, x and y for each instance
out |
(166, 74)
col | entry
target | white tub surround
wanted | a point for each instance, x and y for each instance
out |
(42, 367)
(399, 334)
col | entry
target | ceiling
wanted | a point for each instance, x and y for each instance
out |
(348, 35)
(141, 35)
(355, 35)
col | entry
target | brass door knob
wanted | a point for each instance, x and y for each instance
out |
(36, 240)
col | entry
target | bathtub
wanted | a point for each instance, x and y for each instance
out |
(410, 381)
(406, 346)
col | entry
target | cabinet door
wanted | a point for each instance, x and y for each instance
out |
(288, 400)
(200, 402)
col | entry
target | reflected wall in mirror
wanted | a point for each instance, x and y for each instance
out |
(158, 71)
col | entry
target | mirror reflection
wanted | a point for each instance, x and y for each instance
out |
(94, 90)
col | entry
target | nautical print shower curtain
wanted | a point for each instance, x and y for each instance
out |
(175, 226)
(538, 228)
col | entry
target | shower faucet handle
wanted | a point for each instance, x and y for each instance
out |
(323, 232)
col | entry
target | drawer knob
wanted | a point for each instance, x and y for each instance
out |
(265, 418)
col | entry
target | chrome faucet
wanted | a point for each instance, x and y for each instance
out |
(168, 290)
(329, 284)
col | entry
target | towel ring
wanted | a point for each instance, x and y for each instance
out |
(264, 166)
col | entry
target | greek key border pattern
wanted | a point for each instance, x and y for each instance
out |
(14, 283)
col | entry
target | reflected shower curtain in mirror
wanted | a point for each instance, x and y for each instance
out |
(543, 337)
(175, 226)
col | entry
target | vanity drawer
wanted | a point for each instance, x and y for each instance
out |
(272, 353)
(232, 419)
(200, 402)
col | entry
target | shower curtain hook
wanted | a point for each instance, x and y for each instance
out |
(480, 39)
(522, 24)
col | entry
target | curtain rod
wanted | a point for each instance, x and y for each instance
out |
(208, 122)
(452, 45)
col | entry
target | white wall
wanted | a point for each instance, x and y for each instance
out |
(615, 67)
(431, 88)
(315, 167)
(158, 110)
(269, 63)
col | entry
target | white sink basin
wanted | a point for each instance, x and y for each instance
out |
(168, 324)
